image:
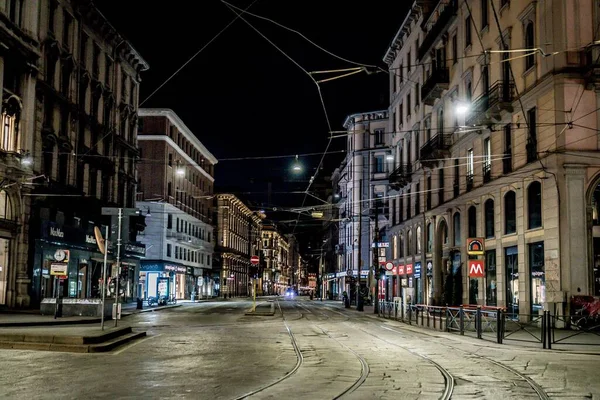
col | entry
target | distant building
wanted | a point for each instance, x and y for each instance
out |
(176, 182)
(275, 248)
(360, 180)
(238, 239)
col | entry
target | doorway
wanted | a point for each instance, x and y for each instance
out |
(512, 280)
(4, 247)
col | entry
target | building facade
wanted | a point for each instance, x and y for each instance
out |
(83, 149)
(19, 68)
(238, 239)
(361, 196)
(176, 183)
(275, 249)
(496, 145)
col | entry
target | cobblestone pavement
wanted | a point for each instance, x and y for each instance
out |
(308, 350)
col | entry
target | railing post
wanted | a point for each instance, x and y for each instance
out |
(461, 316)
(409, 314)
(499, 325)
(544, 327)
(478, 322)
(549, 330)
(427, 310)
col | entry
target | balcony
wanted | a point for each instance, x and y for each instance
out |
(437, 147)
(470, 181)
(439, 26)
(401, 176)
(434, 86)
(488, 107)
(487, 172)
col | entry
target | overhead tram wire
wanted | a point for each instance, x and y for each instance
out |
(318, 90)
(193, 56)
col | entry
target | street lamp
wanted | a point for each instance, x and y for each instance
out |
(297, 166)
(461, 108)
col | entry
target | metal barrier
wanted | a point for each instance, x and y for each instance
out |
(573, 330)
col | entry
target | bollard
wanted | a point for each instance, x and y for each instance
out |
(478, 322)
(549, 329)
(461, 316)
(499, 326)
(544, 325)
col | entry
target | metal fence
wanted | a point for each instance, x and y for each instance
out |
(494, 324)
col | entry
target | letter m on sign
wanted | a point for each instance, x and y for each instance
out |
(476, 268)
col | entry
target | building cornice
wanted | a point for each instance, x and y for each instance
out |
(182, 153)
(235, 200)
(348, 119)
(181, 126)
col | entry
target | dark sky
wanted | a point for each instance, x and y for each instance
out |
(242, 97)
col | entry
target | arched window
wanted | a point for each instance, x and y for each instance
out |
(456, 229)
(472, 223)
(529, 44)
(444, 233)
(489, 218)
(410, 248)
(5, 206)
(429, 237)
(534, 205)
(395, 247)
(510, 213)
(418, 239)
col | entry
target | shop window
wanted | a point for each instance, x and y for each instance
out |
(511, 263)
(538, 280)
(5, 206)
(489, 218)
(510, 213)
(490, 278)
(534, 205)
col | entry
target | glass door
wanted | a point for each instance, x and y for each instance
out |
(512, 280)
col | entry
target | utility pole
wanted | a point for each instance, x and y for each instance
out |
(358, 286)
(376, 256)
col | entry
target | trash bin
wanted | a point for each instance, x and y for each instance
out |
(140, 303)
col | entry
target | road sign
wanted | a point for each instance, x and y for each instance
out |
(476, 268)
(254, 260)
(389, 265)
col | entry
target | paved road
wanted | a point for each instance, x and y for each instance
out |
(307, 350)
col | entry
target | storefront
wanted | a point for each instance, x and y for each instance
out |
(159, 278)
(81, 277)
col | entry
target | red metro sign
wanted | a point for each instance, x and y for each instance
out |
(476, 268)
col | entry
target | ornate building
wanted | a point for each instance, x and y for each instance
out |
(496, 119)
(238, 239)
(84, 147)
(277, 274)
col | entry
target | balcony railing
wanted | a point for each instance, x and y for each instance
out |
(439, 26)
(434, 86)
(401, 176)
(436, 147)
(487, 107)
(487, 172)
(470, 180)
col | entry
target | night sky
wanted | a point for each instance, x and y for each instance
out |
(243, 98)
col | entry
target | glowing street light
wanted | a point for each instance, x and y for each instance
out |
(297, 166)
(462, 108)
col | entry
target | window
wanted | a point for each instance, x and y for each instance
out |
(488, 210)
(470, 165)
(15, 11)
(395, 247)
(168, 249)
(440, 121)
(538, 278)
(456, 229)
(5, 206)
(63, 167)
(418, 199)
(444, 233)
(67, 24)
(454, 49)
(96, 61)
(52, 15)
(417, 142)
(401, 246)
(490, 278)
(429, 237)
(428, 194)
(487, 159)
(401, 115)
(472, 221)
(531, 147)
(108, 64)
(169, 221)
(93, 182)
(9, 130)
(441, 185)
(83, 50)
(456, 185)
(534, 205)
(409, 61)
(417, 94)
(507, 157)
(401, 70)
(484, 14)
(409, 248)
(408, 204)
(394, 82)
(379, 137)
(379, 164)
(408, 105)
(467, 31)
(469, 91)
(529, 44)
(418, 239)
(510, 213)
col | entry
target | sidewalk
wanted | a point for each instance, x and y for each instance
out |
(29, 318)
(588, 343)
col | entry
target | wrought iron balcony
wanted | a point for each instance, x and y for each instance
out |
(435, 30)
(434, 86)
(488, 107)
(401, 176)
(437, 147)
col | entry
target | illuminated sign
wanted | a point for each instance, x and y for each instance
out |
(475, 246)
